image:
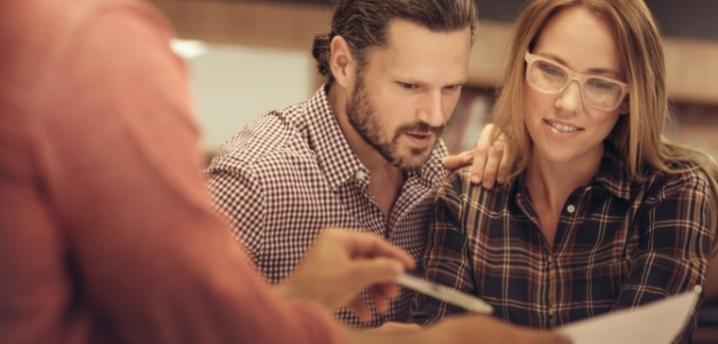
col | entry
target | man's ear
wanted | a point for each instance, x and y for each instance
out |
(342, 62)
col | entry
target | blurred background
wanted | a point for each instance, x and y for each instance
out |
(249, 57)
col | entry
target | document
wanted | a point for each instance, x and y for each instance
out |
(656, 323)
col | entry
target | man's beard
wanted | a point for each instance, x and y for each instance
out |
(363, 118)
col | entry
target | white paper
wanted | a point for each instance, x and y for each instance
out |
(656, 323)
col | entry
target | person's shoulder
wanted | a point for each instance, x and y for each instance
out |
(682, 172)
(273, 139)
(684, 177)
(89, 17)
(61, 28)
(458, 184)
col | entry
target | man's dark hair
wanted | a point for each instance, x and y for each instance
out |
(363, 23)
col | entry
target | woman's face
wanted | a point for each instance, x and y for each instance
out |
(569, 126)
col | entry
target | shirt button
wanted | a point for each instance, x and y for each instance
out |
(552, 311)
(571, 208)
(361, 175)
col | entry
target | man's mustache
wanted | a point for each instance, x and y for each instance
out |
(420, 127)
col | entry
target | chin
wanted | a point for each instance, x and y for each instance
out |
(412, 162)
(560, 156)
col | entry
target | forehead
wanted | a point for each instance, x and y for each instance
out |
(414, 51)
(582, 39)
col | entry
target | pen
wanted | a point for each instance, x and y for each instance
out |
(445, 294)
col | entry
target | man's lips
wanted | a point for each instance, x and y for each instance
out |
(420, 135)
(420, 138)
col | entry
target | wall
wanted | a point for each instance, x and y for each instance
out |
(233, 84)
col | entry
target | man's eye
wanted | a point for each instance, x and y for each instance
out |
(452, 88)
(408, 86)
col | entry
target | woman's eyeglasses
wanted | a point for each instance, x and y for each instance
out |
(550, 77)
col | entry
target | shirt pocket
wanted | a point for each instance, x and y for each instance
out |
(599, 282)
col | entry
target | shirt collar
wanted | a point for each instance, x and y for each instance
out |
(338, 161)
(612, 176)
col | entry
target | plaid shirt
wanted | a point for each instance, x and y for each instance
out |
(618, 244)
(292, 173)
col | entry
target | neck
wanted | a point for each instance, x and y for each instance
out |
(385, 178)
(369, 157)
(551, 183)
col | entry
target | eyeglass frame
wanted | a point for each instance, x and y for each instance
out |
(572, 75)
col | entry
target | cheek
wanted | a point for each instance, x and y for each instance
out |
(449, 105)
(536, 106)
(389, 116)
(606, 124)
(395, 111)
(537, 102)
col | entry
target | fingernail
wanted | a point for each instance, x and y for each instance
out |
(476, 179)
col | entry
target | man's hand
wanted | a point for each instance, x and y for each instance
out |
(488, 160)
(341, 264)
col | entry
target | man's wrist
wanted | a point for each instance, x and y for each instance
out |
(289, 292)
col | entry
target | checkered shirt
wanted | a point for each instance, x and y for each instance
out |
(290, 174)
(618, 245)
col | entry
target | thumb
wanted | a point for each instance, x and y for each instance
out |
(367, 272)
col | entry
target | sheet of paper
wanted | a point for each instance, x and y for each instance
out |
(658, 322)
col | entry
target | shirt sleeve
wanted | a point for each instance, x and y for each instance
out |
(447, 259)
(118, 150)
(238, 195)
(674, 245)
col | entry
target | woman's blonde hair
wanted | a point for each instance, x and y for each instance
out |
(639, 137)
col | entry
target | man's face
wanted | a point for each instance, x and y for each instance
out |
(407, 91)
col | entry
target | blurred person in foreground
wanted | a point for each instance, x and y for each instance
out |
(107, 233)
(602, 211)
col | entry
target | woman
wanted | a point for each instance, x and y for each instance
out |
(602, 212)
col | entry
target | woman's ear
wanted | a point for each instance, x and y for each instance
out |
(341, 61)
(624, 108)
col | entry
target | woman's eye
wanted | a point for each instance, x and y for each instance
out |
(551, 70)
(602, 85)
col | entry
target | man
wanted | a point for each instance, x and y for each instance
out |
(364, 151)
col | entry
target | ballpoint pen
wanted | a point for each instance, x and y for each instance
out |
(446, 294)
